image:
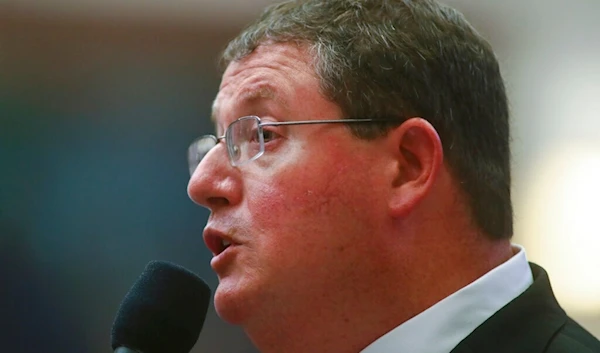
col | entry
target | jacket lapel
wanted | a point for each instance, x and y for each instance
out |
(525, 325)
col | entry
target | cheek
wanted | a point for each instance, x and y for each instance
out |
(307, 201)
(311, 220)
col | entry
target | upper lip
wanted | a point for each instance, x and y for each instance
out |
(214, 239)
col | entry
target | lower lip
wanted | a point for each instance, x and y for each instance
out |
(226, 256)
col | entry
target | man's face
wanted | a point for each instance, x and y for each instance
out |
(300, 218)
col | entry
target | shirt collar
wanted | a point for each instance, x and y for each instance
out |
(443, 326)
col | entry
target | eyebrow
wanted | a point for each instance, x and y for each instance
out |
(263, 92)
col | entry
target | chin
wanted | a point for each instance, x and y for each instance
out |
(232, 304)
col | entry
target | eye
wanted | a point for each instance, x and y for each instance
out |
(269, 135)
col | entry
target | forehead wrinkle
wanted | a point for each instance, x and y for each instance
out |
(253, 94)
(255, 74)
(262, 91)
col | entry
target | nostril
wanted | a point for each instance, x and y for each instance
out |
(217, 201)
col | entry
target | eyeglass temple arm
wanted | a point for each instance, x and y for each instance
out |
(305, 122)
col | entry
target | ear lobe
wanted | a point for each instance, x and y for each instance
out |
(419, 157)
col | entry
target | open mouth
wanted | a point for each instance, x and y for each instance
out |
(225, 244)
(216, 242)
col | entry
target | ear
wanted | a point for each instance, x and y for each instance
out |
(418, 155)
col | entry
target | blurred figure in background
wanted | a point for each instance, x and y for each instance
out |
(359, 188)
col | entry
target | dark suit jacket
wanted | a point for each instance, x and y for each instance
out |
(531, 323)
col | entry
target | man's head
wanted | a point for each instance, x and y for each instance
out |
(335, 224)
(398, 59)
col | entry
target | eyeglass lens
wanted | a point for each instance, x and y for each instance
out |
(244, 140)
(244, 143)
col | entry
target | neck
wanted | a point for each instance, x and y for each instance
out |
(397, 281)
(335, 324)
(349, 319)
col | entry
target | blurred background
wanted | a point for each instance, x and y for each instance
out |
(99, 100)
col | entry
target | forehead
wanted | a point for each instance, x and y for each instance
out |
(280, 73)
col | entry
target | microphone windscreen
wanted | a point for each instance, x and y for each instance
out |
(163, 311)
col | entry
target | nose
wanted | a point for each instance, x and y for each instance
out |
(215, 183)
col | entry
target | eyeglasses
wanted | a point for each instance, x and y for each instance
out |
(245, 139)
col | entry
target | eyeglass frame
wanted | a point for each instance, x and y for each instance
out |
(260, 125)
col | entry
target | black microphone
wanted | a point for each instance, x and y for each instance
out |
(163, 312)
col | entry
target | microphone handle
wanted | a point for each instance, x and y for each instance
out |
(125, 350)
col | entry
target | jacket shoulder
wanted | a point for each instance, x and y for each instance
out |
(572, 338)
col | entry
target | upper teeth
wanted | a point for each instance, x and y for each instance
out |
(226, 243)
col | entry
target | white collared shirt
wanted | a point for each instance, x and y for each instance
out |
(440, 328)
